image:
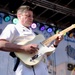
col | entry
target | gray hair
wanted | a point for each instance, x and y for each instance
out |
(23, 8)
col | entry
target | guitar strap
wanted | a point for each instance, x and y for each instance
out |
(16, 65)
(12, 54)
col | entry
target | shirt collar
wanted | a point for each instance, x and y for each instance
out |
(19, 24)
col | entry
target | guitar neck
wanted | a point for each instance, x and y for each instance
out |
(50, 39)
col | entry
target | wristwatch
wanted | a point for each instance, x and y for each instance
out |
(55, 45)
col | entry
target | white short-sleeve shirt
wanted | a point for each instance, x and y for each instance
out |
(15, 34)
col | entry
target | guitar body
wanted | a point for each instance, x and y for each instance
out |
(27, 58)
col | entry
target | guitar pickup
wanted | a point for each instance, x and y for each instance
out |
(34, 57)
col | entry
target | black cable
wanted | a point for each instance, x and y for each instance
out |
(33, 70)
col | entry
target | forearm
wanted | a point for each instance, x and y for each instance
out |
(10, 47)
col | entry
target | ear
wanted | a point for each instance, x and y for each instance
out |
(18, 15)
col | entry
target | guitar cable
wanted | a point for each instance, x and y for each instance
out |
(33, 70)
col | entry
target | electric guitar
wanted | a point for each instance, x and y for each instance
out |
(33, 59)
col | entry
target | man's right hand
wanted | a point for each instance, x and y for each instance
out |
(31, 48)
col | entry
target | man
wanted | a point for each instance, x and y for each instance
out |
(14, 34)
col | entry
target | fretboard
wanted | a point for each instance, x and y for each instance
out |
(50, 39)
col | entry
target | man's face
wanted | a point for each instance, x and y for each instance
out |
(26, 18)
